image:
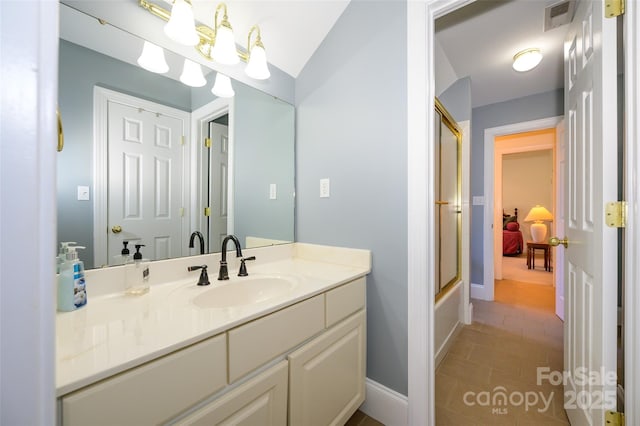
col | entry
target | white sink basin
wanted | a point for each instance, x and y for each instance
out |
(244, 291)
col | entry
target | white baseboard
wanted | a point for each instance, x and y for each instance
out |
(385, 405)
(447, 343)
(478, 291)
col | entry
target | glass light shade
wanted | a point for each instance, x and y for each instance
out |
(527, 60)
(224, 51)
(152, 58)
(257, 66)
(222, 87)
(538, 214)
(192, 74)
(181, 26)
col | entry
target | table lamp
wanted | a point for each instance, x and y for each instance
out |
(537, 215)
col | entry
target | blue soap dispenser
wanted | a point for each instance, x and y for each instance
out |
(72, 293)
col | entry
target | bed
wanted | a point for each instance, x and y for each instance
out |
(512, 244)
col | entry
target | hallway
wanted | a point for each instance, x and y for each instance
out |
(490, 376)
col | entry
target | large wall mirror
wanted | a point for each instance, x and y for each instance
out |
(137, 164)
(448, 179)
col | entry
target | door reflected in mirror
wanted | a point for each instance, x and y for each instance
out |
(243, 184)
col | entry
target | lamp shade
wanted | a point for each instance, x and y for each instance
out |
(527, 60)
(181, 26)
(152, 58)
(257, 66)
(538, 214)
(222, 87)
(192, 74)
(224, 50)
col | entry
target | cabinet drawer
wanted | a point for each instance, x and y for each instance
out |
(327, 375)
(154, 392)
(260, 401)
(345, 300)
(253, 344)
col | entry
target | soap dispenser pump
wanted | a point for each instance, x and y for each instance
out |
(62, 254)
(124, 257)
(137, 281)
(72, 292)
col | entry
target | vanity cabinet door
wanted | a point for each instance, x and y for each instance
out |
(261, 401)
(326, 376)
(154, 392)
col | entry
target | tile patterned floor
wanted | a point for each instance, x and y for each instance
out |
(361, 419)
(498, 355)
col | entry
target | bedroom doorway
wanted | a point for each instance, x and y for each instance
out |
(524, 178)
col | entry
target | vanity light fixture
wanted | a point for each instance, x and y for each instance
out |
(181, 25)
(527, 59)
(218, 43)
(192, 74)
(257, 63)
(152, 58)
(222, 87)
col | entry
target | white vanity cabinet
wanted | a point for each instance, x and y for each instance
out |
(153, 392)
(301, 365)
(327, 375)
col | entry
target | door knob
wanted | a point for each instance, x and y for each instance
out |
(116, 229)
(555, 241)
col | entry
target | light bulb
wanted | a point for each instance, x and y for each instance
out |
(192, 74)
(222, 87)
(224, 50)
(152, 58)
(181, 26)
(257, 66)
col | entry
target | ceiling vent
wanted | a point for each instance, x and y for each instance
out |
(558, 14)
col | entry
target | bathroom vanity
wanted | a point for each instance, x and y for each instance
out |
(285, 345)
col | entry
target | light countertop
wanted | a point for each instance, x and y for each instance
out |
(115, 332)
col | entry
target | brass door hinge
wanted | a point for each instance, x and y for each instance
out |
(207, 142)
(615, 214)
(182, 141)
(207, 211)
(613, 418)
(613, 8)
(181, 212)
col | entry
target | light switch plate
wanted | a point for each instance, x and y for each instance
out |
(273, 191)
(325, 188)
(478, 200)
(83, 193)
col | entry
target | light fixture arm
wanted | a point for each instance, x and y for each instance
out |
(258, 41)
(208, 35)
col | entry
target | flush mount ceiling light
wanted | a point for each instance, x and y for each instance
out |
(218, 43)
(527, 59)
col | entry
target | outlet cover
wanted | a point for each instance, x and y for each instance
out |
(325, 188)
(83, 193)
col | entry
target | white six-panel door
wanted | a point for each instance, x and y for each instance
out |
(145, 181)
(591, 257)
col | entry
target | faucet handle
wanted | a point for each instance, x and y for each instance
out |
(204, 276)
(243, 268)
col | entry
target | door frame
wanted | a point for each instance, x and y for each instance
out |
(420, 210)
(199, 124)
(101, 99)
(491, 240)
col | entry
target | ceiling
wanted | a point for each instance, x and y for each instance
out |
(481, 39)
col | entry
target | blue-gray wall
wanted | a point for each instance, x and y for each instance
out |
(80, 69)
(351, 127)
(457, 99)
(534, 107)
(265, 143)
